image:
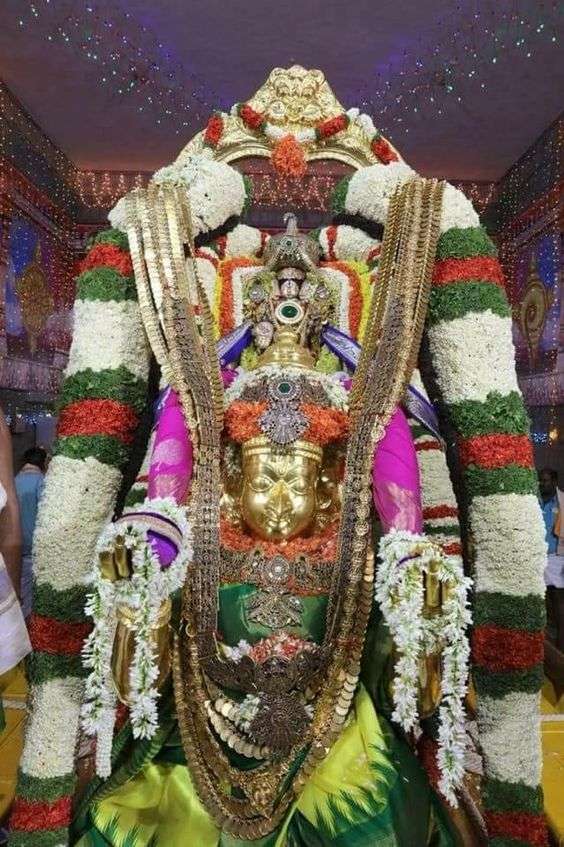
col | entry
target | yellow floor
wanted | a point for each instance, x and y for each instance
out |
(13, 692)
(553, 761)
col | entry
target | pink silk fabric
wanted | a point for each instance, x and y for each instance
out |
(396, 485)
(170, 471)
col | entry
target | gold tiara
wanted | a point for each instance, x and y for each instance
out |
(260, 443)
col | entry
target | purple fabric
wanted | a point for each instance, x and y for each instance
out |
(395, 478)
(228, 376)
(165, 549)
(170, 471)
(232, 345)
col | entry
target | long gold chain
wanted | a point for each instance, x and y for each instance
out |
(390, 348)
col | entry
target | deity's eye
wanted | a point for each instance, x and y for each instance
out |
(299, 485)
(261, 484)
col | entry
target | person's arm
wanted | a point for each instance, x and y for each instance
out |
(10, 530)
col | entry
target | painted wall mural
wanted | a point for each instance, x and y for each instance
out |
(38, 293)
(537, 306)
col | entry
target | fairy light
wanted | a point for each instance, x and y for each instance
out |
(528, 205)
(427, 81)
(129, 57)
(102, 189)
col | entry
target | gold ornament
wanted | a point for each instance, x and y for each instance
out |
(293, 99)
(532, 311)
(35, 298)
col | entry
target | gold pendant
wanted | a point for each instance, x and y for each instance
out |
(274, 609)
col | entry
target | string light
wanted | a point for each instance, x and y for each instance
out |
(130, 58)
(102, 189)
(428, 80)
(527, 214)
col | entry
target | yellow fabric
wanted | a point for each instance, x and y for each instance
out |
(347, 767)
(162, 800)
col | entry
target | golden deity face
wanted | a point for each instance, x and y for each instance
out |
(279, 497)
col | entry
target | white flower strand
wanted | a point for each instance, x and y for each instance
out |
(404, 558)
(148, 586)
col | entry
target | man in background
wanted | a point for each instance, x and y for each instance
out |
(29, 486)
(550, 502)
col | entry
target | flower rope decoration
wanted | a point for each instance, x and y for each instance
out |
(149, 585)
(404, 559)
(288, 156)
(102, 397)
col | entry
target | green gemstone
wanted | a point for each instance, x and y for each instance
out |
(284, 387)
(289, 311)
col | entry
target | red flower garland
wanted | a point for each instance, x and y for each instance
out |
(497, 451)
(108, 256)
(433, 512)
(31, 816)
(331, 241)
(208, 255)
(501, 649)
(481, 268)
(52, 636)
(522, 826)
(221, 246)
(213, 131)
(423, 446)
(383, 151)
(98, 417)
(427, 755)
(251, 118)
(454, 549)
(332, 126)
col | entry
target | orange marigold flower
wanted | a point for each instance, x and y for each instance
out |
(288, 157)
(325, 425)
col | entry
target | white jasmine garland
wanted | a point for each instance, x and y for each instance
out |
(404, 558)
(370, 189)
(457, 210)
(118, 215)
(216, 190)
(463, 351)
(330, 383)
(120, 325)
(207, 274)
(350, 243)
(243, 240)
(509, 535)
(53, 719)
(145, 591)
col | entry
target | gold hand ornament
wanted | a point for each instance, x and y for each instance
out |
(430, 691)
(116, 564)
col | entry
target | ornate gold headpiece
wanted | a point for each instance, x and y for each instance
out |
(294, 100)
(261, 443)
